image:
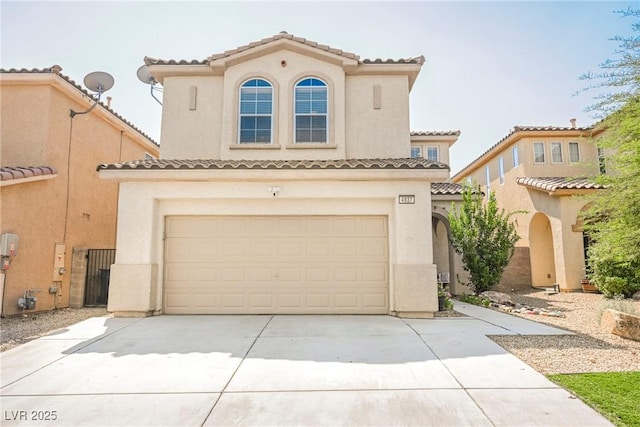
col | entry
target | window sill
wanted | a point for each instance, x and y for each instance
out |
(316, 145)
(254, 146)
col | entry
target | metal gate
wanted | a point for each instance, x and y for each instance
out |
(96, 288)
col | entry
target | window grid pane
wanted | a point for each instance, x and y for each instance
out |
(516, 160)
(432, 154)
(556, 152)
(311, 108)
(415, 152)
(538, 152)
(256, 107)
(501, 170)
(574, 152)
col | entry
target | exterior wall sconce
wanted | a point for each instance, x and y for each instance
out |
(274, 190)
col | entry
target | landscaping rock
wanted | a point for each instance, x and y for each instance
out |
(636, 296)
(498, 297)
(621, 324)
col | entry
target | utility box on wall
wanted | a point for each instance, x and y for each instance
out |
(8, 245)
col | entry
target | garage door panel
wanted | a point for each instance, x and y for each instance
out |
(346, 300)
(276, 265)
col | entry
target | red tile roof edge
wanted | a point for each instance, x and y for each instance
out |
(283, 35)
(8, 173)
(173, 164)
(559, 183)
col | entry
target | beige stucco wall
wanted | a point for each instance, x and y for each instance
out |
(210, 130)
(459, 278)
(144, 206)
(373, 132)
(37, 130)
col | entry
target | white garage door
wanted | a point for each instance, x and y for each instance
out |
(276, 264)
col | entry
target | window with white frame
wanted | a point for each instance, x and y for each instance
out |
(538, 152)
(432, 154)
(311, 111)
(256, 112)
(501, 169)
(574, 152)
(416, 152)
(556, 152)
(487, 177)
(516, 159)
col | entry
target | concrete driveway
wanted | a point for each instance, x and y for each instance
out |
(283, 370)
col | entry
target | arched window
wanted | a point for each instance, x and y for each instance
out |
(256, 112)
(311, 111)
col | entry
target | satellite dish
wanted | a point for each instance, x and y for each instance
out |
(99, 81)
(144, 75)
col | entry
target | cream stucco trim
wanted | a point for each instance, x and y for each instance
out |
(254, 146)
(311, 145)
(265, 175)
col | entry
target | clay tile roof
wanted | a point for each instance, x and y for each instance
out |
(417, 163)
(56, 69)
(436, 133)
(559, 183)
(9, 173)
(279, 36)
(446, 188)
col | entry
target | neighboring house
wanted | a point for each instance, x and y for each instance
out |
(542, 170)
(52, 198)
(285, 184)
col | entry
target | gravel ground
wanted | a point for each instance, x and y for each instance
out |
(18, 330)
(590, 350)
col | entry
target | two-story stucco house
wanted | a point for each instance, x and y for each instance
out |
(285, 184)
(543, 171)
(53, 202)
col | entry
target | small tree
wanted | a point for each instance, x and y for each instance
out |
(613, 222)
(484, 236)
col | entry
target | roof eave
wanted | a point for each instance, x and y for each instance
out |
(208, 175)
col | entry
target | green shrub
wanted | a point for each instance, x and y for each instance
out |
(612, 277)
(475, 300)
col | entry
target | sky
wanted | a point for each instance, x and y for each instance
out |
(489, 65)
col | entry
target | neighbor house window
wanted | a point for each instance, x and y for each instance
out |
(501, 170)
(311, 111)
(516, 160)
(574, 152)
(432, 154)
(538, 152)
(256, 112)
(556, 152)
(416, 152)
(601, 160)
(488, 180)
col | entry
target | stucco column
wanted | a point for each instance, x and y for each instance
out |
(570, 254)
(414, 274)
(133, 282)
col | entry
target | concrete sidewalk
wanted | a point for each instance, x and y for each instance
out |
(284, 370)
